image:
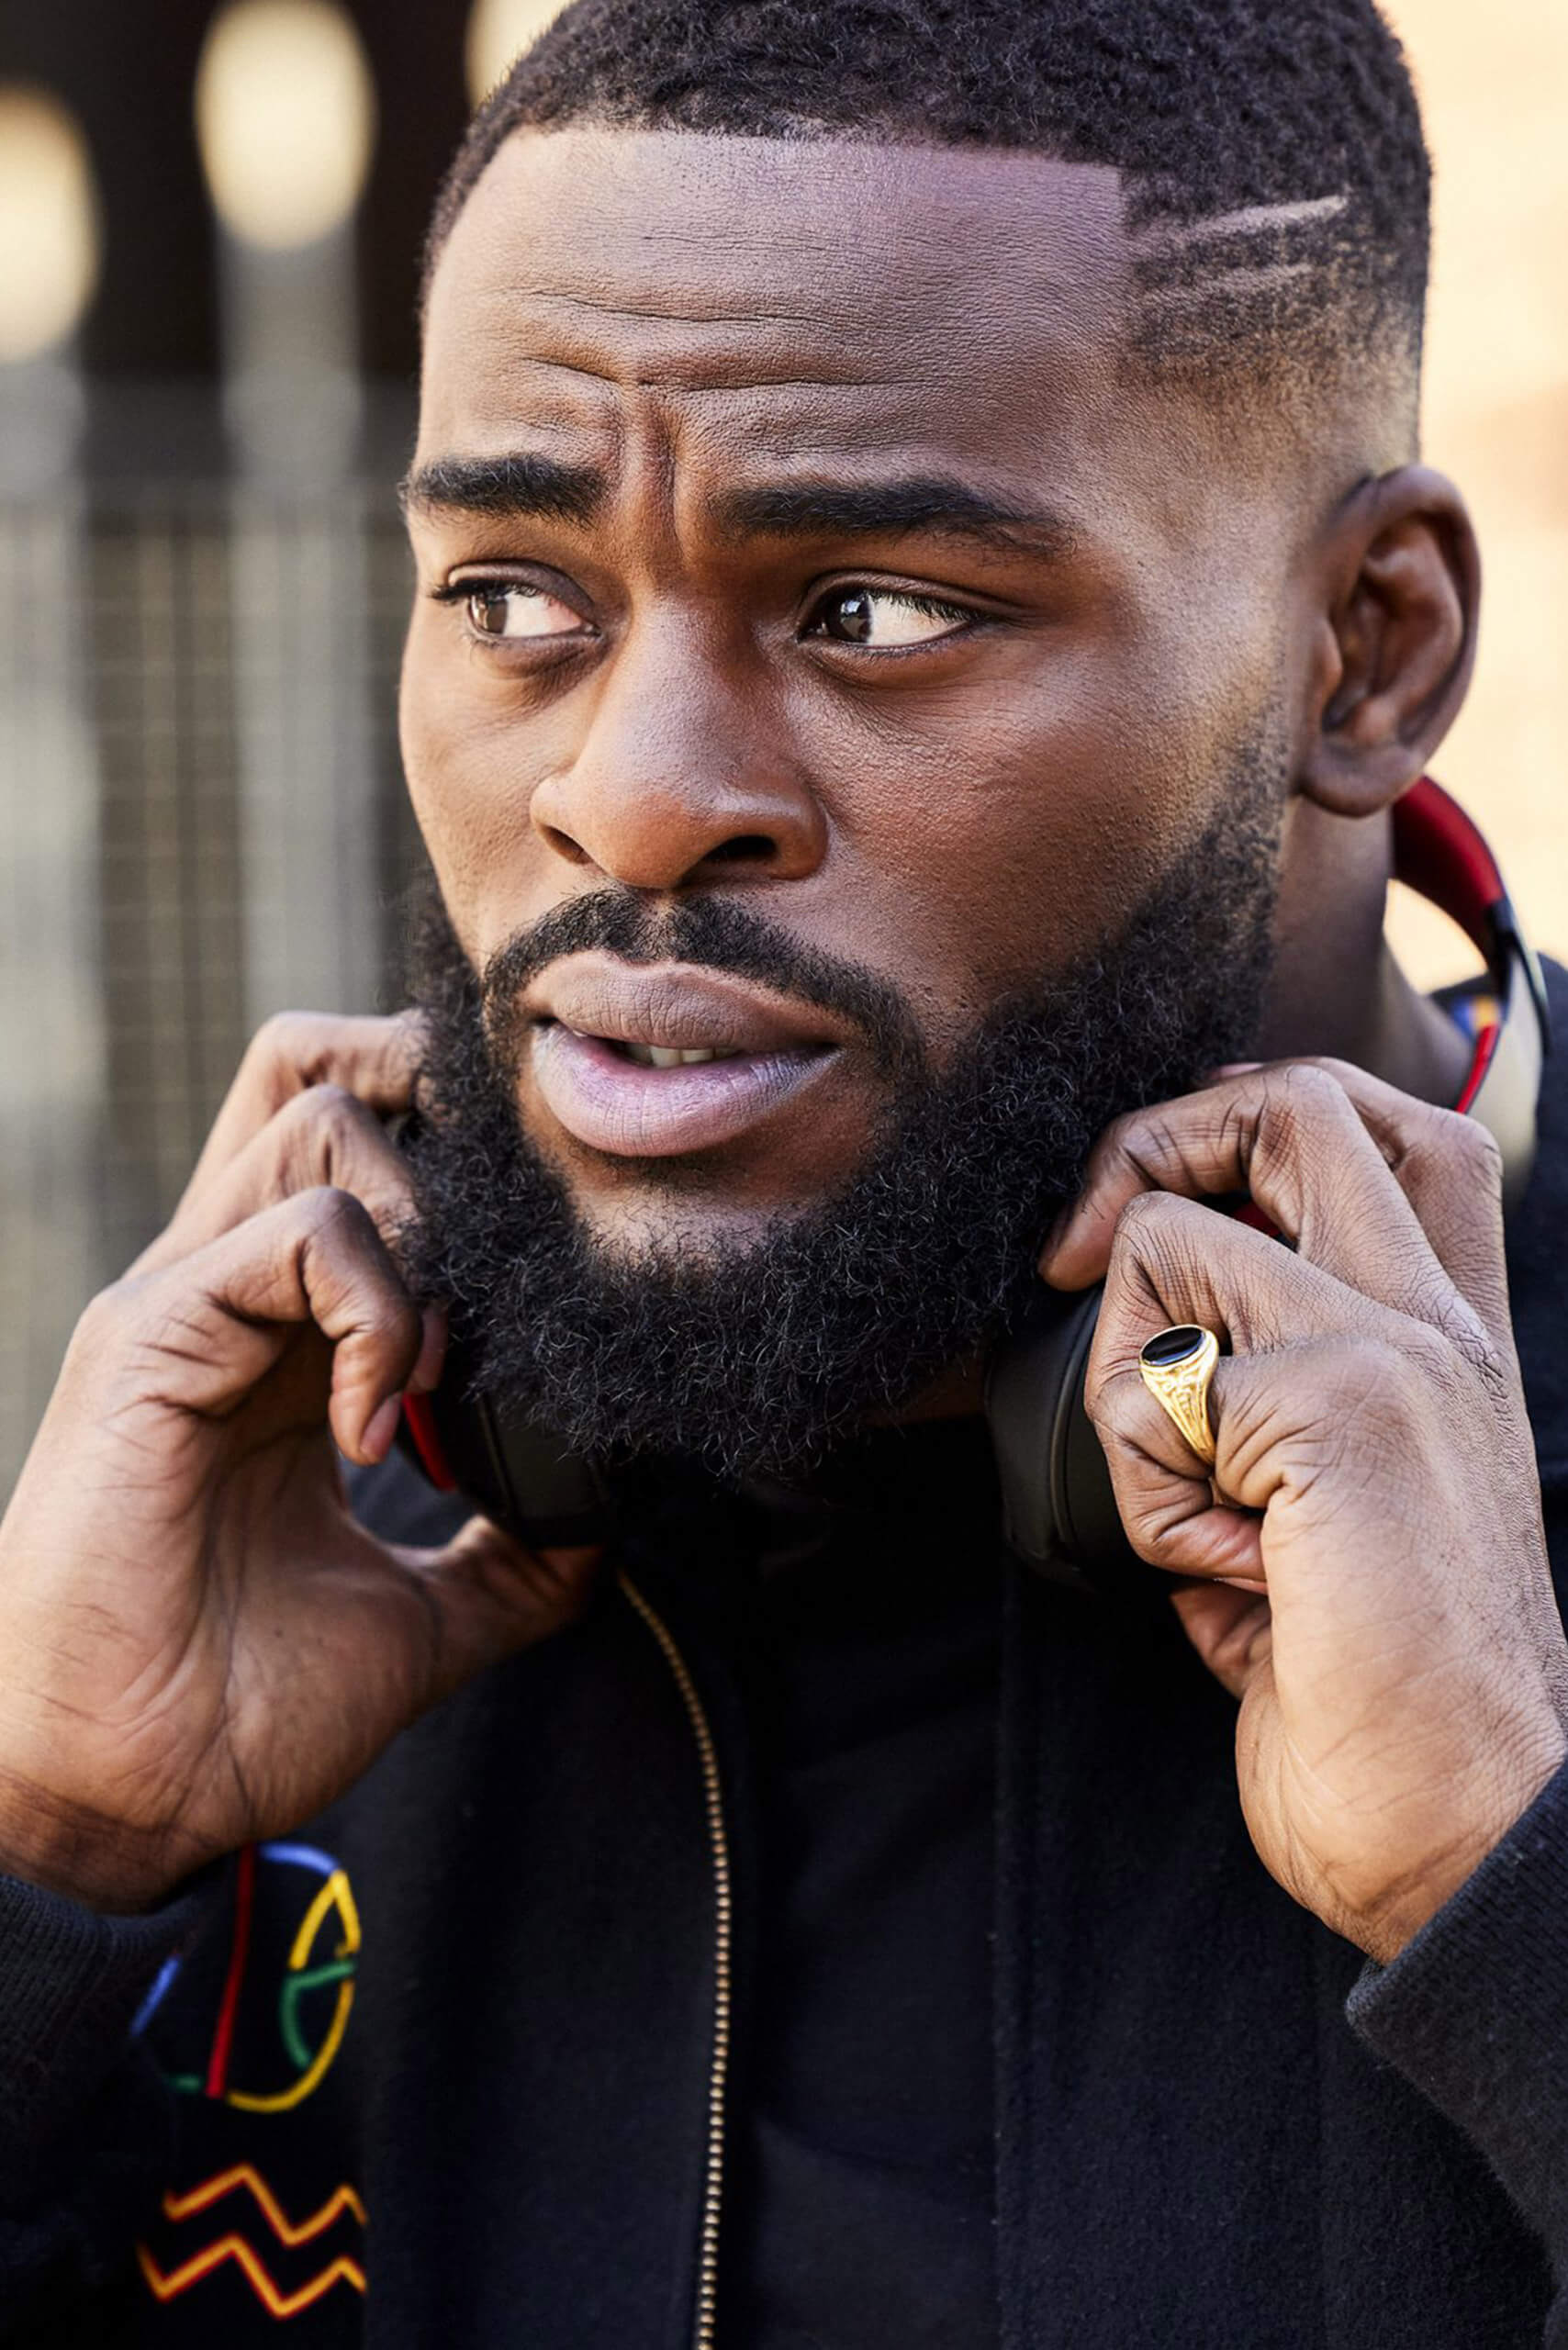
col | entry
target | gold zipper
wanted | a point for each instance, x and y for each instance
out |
(723, 1946)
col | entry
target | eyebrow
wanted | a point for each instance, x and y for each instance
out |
(933, 504)
(523, 486)
(518, 485)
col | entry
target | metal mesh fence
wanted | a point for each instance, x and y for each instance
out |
(201, 820)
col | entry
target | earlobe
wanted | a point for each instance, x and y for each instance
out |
(1395, 639)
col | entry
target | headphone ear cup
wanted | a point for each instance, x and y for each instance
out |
(1059, 1512)
(514, 1470)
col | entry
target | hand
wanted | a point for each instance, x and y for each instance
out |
(198, 1644)
(1367, 1570)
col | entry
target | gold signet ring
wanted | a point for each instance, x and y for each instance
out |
(1178, 1366)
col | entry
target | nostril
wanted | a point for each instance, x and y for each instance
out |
(745, 848)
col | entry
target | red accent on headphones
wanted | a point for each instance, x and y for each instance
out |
(1439, 853)
(1485, 1053)
(420, 1420)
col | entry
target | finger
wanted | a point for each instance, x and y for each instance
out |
(374, 1059)
(325, 1135)
(1177, 1515)
(1282, 1420)
(1175, 1262)
(1449, 1168)
(200, 1335)
(1292, 1135)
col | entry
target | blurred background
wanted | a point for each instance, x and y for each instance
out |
(210, 217)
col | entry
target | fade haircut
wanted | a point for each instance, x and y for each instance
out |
(1275, 181)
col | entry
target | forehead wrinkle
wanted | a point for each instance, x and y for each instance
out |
(557, 297)
(505, 351)
(905, 351)
(735, 244)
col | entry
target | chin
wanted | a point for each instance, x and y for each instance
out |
(660, 1224)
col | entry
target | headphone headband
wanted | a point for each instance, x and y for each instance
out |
(1440, 854)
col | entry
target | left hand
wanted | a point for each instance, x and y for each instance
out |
(1367, 1570)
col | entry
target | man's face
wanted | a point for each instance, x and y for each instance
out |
(794, 535)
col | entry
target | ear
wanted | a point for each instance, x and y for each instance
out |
(1397, 594)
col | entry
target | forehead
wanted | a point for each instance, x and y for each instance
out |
(787, 298)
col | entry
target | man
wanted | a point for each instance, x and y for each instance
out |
(926, 602)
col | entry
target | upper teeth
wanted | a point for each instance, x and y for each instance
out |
(669, 1056)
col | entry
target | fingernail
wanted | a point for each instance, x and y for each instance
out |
(426, 1374)
(381, 1428)
(1234, 1068)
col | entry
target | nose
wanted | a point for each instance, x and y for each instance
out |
(684, 774)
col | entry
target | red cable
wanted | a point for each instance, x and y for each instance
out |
(223, 2034)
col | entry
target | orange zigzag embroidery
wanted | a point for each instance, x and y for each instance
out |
(212, 2190)
(234, 2247)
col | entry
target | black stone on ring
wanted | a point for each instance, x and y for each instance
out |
(1168, 1348)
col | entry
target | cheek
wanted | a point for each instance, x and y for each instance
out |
(1029, 820)
(471, 781)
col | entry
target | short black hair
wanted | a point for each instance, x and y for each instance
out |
(1276, 183)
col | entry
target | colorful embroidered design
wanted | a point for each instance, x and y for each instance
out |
(168, 2285)
(321, 1959)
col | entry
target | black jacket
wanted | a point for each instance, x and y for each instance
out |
(457, 2039)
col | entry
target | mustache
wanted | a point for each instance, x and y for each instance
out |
(709, 932)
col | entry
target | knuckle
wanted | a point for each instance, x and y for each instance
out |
(104, 1320)
(328, 1216)
(1162, 1235)
(1472, 1146)
(1373, 1384)
(287, 1040)
(1110, 1400)
(1345, 1074)
(338, 1231)
(1145, 1215)
(1160, 1222)
(319, 1126)
(1299, 1096)
(282, 1056)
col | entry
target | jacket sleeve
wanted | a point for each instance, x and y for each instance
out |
(86, 2123)
(1474, 2013)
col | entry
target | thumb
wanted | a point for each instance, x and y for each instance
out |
(490, 1597)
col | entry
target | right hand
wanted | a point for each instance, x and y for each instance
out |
(198, 1645)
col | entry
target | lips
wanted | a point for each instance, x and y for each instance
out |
(656, 1061)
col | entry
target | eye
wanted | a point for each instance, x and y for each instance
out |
(513, 608)
(884, 617)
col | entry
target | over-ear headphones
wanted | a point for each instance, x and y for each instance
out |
(1059, 1512)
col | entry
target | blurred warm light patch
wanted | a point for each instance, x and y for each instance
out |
(500, 30)
(1492, 83)
(286, 119)
(49, 225)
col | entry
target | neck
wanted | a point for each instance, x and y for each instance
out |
(1337, 989)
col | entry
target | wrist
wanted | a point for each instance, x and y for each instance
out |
(1502, 1790)
(82, 1856)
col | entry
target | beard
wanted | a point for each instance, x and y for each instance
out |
(755, 1358)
